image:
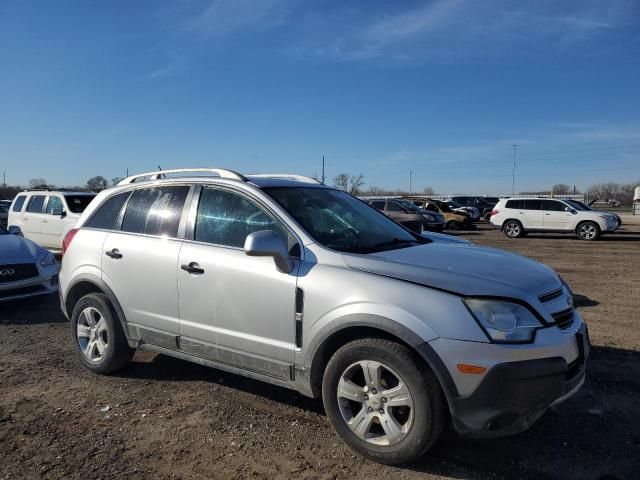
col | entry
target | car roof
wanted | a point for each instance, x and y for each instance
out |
(63, 192)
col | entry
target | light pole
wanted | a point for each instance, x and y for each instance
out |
(513, 173)
(410, 181)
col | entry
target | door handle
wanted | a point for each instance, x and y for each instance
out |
(192, 267)
(45, 221)
(113, 253)
(547, 214)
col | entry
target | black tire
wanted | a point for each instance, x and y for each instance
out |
(513, 229)
(588, 231)
(453, 225)
(429, 404)
(117, 353)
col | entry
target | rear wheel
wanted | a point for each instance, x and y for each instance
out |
(453, 225)
(588, 231)
(382, 402)
(513, 229)
(98, 335)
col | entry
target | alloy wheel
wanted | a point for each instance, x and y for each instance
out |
(92, 334)
(375, 403)
(512, 229)
(588, 231)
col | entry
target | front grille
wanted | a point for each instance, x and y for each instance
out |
(21, 291)
(547, 297)
(564, 318)
(16, 272)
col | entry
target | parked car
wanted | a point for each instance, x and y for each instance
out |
(4, 212)
(480, 203)
(409, 215)
(517, 217)
(583, 206)
(45, 216)
(453, 220)
(473, 212)
(396, 332)
(26, 269)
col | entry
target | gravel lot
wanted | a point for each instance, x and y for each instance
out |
(163, 418)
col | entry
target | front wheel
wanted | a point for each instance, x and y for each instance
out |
(384, 404)
(588, 231)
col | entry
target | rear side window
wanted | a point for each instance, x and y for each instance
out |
(517, 204)
(35, 204)
(77, 203)
(379, 204)
(155, 211)
(553, 206)
(395, 207)
(106, 215)
(17, 206)
(533, 204)
(226, 218)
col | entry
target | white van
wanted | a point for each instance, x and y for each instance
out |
(45, 216)
(518, 216)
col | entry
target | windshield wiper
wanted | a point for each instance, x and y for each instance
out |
(394, 242)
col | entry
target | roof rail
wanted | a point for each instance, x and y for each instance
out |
(157, 174)
(287, 176)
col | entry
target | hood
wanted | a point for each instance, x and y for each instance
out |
(15, 249)
(465, 269)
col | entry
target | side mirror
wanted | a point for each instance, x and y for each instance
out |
(267, 243)
(57, 212)
(569, 209)
(15, 230)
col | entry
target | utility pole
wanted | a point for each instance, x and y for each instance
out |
(323, 169)
(513, 174)
(410, 181)
(4, 179)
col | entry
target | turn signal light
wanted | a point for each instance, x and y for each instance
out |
(472, 369)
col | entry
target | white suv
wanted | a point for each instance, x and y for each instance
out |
(518, 216)
(45, 216)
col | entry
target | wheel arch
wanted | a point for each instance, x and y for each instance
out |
(321, 352)
(510, 219)
(86, 284)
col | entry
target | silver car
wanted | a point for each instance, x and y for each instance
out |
(286, 280)
(26, 269)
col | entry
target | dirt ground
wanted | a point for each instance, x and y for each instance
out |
(164, 418)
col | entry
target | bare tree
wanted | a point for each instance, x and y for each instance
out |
(341, 181)
(561, 189)
(356, 182)
(37, 182)
(116, 180)
(97, 183)
(428, 191)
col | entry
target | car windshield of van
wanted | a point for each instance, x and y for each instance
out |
(341, 222)
(77, 203)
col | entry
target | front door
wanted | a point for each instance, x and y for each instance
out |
(555, 217)
(235, 309)
(53, 223)
(140, 262)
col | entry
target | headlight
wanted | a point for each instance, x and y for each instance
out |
(428, 218)
(504, 322)
(46, 259)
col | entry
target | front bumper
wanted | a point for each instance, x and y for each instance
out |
(512, 395)
(44, 284)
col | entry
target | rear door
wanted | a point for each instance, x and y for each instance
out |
(52, 222)
(32, 218)
(235, 309)
(555, 216)
(532, 215)
(140, 261)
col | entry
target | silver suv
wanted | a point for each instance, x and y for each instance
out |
(285, 280)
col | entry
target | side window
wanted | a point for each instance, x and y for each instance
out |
(54, 204)
(516, 204)
(379, 204)
(431, 207)
(394, 207)
(553, 206)
(17, 206)
(155, 211)
(533, 204)
(35, 204)
(226, 218)
(107, 213)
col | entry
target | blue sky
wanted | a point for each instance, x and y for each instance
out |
(443, 88)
